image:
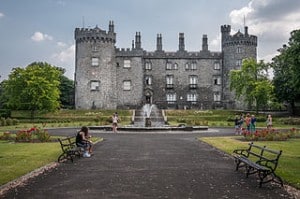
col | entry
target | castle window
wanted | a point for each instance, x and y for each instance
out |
(192, 97)
(193, 81)
(95, 61)
(193, 66)
(171, 98)
(169, 80)
(239, 62)
(148, 66)
(175, 66)
(169, 66)
(217, 80)
(239, 50)
(95, 48)
(127, 63)
(127, 85)
(187, 66)
(148, 80)
(95, 85)
(217, 66)
(217, 97)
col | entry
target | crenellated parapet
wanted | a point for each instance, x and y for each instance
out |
(238, 38)
(95, 35)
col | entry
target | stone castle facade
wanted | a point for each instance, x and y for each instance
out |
(107, 77)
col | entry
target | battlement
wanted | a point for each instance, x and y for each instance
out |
(240, 39)
(225, 29)
(94, 34)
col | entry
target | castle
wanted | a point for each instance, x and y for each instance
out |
(107, 77)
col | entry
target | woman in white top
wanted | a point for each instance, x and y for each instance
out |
(269, 122)
(115, 122)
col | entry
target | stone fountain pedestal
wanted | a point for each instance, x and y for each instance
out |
(147, 122)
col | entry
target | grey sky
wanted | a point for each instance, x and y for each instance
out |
(34, 30)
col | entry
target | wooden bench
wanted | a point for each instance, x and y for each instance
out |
(69, 149)
(259, 160)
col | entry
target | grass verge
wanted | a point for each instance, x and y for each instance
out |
(288, 167)
(18, 159)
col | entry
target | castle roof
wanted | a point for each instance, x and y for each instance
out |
(238, 34)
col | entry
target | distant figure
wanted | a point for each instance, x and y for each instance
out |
(237, 125)
(248, 121)
(82, 140)
(115, 120)
(269, 122)
(252, 124)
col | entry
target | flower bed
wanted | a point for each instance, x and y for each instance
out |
(270, 135)
(33, 134)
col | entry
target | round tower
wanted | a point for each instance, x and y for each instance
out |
(235, 48)
(95, 68)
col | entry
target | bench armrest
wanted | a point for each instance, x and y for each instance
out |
(243, 152)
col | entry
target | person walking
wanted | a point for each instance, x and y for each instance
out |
(115, 120)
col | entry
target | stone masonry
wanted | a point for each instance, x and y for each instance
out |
(107, 77)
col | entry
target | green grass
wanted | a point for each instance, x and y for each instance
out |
(18, 159)
(289, 162)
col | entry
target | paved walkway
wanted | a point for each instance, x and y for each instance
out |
(159, 165)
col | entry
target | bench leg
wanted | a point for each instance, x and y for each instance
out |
(263, 175)
(61, 158)
(238, 163)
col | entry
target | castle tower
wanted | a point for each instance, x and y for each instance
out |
(95, 77)
(235, 48)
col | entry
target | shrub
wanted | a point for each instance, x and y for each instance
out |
(270, 135)
(2, 121)
(6, 136)
(34, 133)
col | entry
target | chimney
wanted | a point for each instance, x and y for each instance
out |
(181, 42)
(204, 43)
(159, 42)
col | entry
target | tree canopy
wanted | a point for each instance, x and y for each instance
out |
(35, 87)
(286, 68)
(251, 84)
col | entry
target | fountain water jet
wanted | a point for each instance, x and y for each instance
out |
(147, 108)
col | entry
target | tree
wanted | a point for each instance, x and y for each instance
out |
(35, 87)
(251, 84)
(66, 92)
(286, 68)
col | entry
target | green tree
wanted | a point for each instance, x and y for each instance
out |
(35, 87)
(66, 92)
(251, 84)
(286, 68)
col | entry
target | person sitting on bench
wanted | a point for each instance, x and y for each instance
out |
(82, 140)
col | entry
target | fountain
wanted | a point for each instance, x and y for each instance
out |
(147, 112)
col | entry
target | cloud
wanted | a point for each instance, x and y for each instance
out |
(268, 16)
(271, 20)
(66, 55)
(38, 37)
(61, 44)
(1, 15)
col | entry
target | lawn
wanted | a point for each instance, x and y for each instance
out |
(18, 159)
(289, 162)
